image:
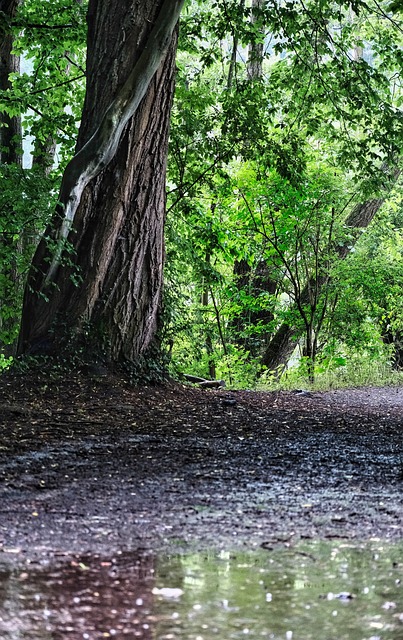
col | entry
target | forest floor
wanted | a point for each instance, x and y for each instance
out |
(98, 465)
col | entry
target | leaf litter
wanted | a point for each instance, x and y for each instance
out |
(100, 465)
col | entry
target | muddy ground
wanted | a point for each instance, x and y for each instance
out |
(98, 465)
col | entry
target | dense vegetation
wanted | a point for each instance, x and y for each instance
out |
(284, 243)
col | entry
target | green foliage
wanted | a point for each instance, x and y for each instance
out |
(371, 281)
(345, 367)
(5, 363)
(361, 369)
(264, 168)
(27, 200)
(51, 38)
(48, 96)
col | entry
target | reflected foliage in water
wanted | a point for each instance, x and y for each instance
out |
(310, 591)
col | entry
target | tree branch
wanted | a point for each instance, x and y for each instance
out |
(36, 25)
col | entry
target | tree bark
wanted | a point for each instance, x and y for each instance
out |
(255, 53)
(108, 290)
(10, 127)
(282, 343)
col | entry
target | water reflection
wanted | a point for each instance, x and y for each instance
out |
(312, 591)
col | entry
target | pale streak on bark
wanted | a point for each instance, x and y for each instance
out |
(96, 154)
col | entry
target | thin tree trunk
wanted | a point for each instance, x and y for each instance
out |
(234, 53)
(111, 293)
(208, 338)
(10, 127)
(309, 352)
(44, 154)
(232, 63)
(255, 53)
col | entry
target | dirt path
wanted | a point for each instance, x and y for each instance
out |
(97, 465)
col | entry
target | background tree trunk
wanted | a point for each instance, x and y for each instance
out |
(254, 283)
(10, 127)
(255, 49)
(109, 290)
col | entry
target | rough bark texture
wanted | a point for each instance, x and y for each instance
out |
(10, 128)
(280, 348)
(282, 344)
(118, 229)
(255, 53)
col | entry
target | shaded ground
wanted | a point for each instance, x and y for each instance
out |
(96, 465)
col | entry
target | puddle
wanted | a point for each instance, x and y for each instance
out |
(320, 591)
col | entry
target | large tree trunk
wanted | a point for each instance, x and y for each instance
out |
(109, 290)
(282, 343)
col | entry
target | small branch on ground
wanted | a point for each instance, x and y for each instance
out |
(203, 383)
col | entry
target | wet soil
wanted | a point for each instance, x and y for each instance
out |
(93, 465)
